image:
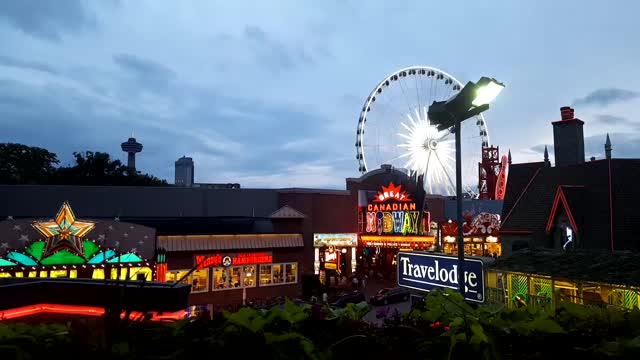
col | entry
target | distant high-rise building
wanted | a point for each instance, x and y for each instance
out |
(184, 171)
(131, 147)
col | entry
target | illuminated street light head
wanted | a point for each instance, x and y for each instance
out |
(486, 91)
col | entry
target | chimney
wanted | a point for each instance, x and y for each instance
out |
(568, 138)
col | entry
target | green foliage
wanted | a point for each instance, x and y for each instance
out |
(444, 327)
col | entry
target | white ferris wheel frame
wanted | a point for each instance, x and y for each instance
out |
(440, 75)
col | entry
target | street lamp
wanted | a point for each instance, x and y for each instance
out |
(473, 99)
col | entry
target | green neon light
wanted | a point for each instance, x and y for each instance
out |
(22, 259)
(36, 249)
(63, 257)
(126, 258)
(4, 262)
(90, 248)
(102, 257)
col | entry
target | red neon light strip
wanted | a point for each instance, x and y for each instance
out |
(79, 310)
(561, 197)
(504, 221)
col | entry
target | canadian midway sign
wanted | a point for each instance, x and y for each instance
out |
(425, 271)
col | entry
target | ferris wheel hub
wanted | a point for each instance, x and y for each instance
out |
(431, 144)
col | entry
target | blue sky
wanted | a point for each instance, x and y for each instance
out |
(268, 93)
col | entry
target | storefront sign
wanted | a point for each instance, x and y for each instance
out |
(393, 212)
(423, 271)
(205, 261)
(398, 242)
(337, 240)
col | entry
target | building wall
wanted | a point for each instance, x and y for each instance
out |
(135, 201)
(325, 211)
(186, 260)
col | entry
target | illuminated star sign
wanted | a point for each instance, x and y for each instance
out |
(392, 192)
(64, 232)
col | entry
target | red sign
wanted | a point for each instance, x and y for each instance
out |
(392, 192)
(205, 261)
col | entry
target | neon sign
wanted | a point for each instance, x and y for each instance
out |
(393, 212)
(205, 261)
(392, 192)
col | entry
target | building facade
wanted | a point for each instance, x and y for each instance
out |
(185, 169)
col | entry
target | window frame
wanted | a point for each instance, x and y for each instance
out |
(284, 275)
(242, 277)
(190, 279)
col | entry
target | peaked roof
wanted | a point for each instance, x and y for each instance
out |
(287, 212)
(608, 201)
(571, 198)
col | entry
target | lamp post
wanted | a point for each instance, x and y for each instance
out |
(472, 100)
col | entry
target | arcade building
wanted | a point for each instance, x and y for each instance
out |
(66, 247)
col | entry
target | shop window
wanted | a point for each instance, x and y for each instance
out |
(199, 279)
(250, 276)
(265, 275)
(235, 277)
(277, 274)
(178, 275)
(227, 278)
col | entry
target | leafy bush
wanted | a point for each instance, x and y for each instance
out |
(444, 327)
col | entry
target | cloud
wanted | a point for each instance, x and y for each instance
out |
(607, 96)
(27, 65)
(624, 145)
(228, 137)
(306, 174)
(47, 20)
(540, 148)
(272, 53)
(147, 71)
(607, 119)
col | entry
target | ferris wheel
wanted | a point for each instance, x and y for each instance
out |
(394, 129)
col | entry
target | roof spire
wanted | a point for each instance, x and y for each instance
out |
(607, 147)
(509, 156)
(133, 134)
(546, 156)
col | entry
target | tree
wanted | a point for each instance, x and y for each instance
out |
(97, 168)
(22, 164)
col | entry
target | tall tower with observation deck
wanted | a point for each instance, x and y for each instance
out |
(131, 147)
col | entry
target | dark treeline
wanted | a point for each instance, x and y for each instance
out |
(22, 164)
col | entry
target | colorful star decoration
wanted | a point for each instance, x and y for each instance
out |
(64, 232)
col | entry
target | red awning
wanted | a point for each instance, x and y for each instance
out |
(229, 242)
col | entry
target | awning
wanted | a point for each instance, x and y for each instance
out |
(229, 242)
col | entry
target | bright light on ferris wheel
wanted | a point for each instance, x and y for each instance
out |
(428, 151)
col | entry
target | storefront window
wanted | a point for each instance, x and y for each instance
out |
(234, 277)
(265, 275)
(199, 279)
(278, 274)
(291, 273)
(250, 276)
(175, 275)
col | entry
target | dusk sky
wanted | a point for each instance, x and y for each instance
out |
(268, 93)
